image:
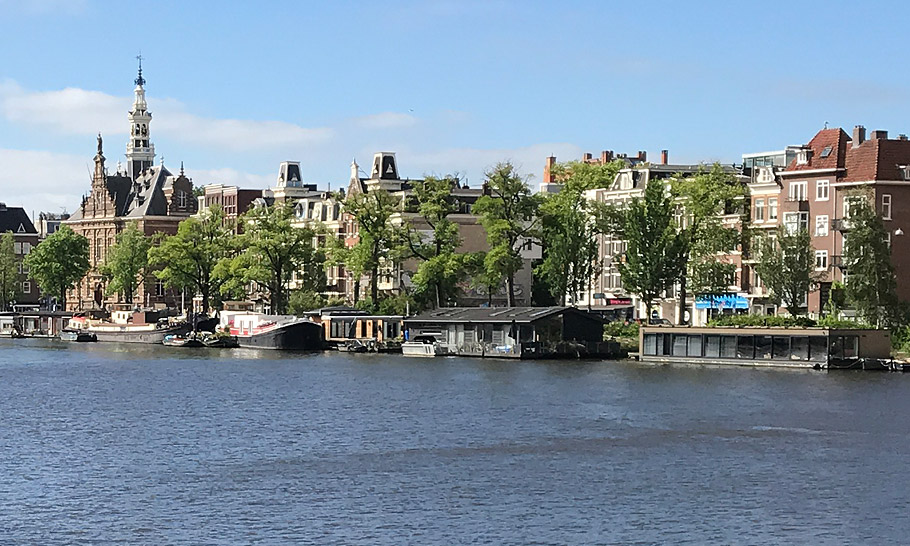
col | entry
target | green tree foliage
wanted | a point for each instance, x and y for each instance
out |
(871, 284)
(9, 271)
(127, 263)
(58, 262)
(569, 228)
(301, 301)
(441, 268)
(508, 213)
(705, 199)
(188, 259)
(484, 280)
(787, 267)
(379, 240)
(653, 260)
(270, 251)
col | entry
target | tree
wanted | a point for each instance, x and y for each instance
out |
(569, 228)
(271, 250)
(871, 285)
(508, 212)
(441, 267)
(127, 262)
(704, 199)
(653, 260)
(9, 271)
(482, 278)
(378, 238)
(787, 267)
(188, 259)
(58, 262)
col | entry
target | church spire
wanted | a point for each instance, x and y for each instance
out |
(140, 152)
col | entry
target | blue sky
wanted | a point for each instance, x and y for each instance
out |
(451, 86)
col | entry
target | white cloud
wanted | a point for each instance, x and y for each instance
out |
(61, 180)
(85, 112)
(232, 177)
(386, 120)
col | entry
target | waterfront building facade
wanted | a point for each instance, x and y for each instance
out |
(25, 238)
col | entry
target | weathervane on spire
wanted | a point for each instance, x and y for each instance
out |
(140, 80)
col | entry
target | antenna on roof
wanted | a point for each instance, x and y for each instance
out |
(826, 125)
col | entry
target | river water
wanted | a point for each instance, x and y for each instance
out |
(110, 444)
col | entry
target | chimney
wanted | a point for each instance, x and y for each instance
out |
(879, 135)
(586, 157)
(547, 175)
(606, 156)
(902, 137)
(859, 135)
(664, 157)
(642, 155)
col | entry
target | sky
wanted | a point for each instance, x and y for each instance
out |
(450, 86)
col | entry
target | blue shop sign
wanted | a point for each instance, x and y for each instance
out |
(721, 301)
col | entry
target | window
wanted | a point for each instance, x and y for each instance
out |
(759, 210)
(772, 208)
(27, 287)
(821, 260)
(821, 190)
(795, 222)
(886, 206)
(797, 191)
(27, 247)
(17, 248)
(821, 225)
(849, 203)
(159, 288)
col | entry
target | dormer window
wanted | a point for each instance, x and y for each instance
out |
(905, 172)
(181, 199)
(802, 157)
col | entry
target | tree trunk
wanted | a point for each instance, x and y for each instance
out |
(63, 298)
(682, 300)
(438, 305)
(510, 285)
(356, 290)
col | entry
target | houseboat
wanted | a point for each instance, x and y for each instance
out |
(259, 331)
(819, 348)
(514, 332)
(347, 328)
(132, 326)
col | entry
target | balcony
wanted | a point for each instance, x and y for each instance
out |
(838, 262)
(796, 203)
(840, 224)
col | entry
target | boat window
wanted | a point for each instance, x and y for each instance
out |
(818, 348)
(745, 347)
(680, 343)
(728, 347)
(694, 345)
(780, 347)
(650, 344)
(763, 347)
(799, 348)
(712, 346)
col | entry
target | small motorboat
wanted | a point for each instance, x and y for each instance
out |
(422, 346)
(81, 336)
(174, 340)
(218, 341)
(353, 346)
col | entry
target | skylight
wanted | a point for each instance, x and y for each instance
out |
(826, 152)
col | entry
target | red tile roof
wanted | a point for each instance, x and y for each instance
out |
(877, 159)
(837, 139)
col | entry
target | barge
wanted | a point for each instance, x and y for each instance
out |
(817, 348)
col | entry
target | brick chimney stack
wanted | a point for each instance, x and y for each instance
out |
(606, 156)
(642, 155)
(859, 135)
(879, 135)
(664, 157)
(547, 175)
(587, 156)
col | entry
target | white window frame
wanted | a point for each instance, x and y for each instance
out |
(759, 211)
(772, 208)
(847, 202)
(886, 206)
(821, 221)
(797, 191)
(821, 260)
(27, 287)
(822, 184)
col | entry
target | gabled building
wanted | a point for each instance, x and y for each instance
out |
(829, 174)
(25, 238)
(149, 196)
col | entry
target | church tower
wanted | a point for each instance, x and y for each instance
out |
(140, 152)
